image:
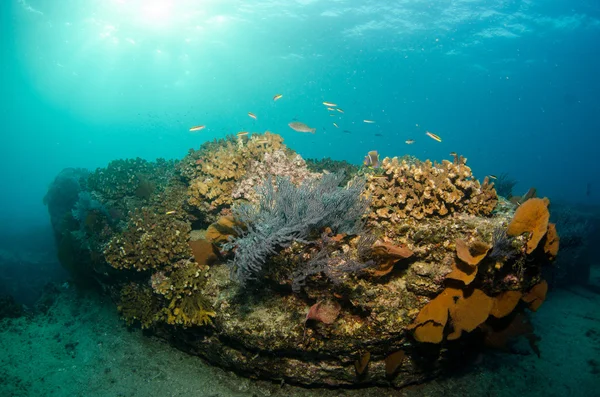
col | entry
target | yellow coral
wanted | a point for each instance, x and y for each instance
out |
(189, 310)
(425, 189)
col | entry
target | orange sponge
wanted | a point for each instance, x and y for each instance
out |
(532, 217)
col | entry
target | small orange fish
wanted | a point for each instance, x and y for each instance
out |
(433, 136)
(252, 115)
(276, 97)
(197, 128)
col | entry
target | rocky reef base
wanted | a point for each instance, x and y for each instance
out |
(246, 255)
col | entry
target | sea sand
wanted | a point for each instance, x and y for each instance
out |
(80, 347)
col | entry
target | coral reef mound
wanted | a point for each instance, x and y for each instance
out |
(245, 255)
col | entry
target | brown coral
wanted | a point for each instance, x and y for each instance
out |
(390, 255)
(467, 312)
(465, 269)
(393, 362)
(531, 217)
(505, 303)
(424, 189)
(431, 320)
(150, 240)
(536, 295)
(462, 272)
(219, 231)
(471, 254)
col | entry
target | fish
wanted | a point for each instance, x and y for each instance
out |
(433, 136)
(339, 110)
(453, 154)
(347, 131)
(170, 212)
(242, 133)
(329, 104)
(335, 125)
(332, 115)
(409, 141)
(492, 176)
(378, 134)
(369, 121)
(252, 115)
(301, 127)
(276, 97)
(197, 128)
(331, 109)
(372, 159)
(379, 177)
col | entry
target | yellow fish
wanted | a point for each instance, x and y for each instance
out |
(369, 121)
(433, 136)
(170, 212)
(197, 128)
(276, 97)
(329, 104)
(335, 125)
(339, 110)
(252, 115)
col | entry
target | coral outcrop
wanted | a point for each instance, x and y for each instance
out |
(243, 254)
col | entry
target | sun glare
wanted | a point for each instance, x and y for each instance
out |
(157, 13)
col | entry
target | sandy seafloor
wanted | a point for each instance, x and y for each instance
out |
(80, 347)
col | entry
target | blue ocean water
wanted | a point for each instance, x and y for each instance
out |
(511, 85)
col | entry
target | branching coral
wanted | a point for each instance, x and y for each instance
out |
(218, 170)
(426, 189)
(150, 241)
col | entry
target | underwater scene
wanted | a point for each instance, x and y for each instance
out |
(299, 198)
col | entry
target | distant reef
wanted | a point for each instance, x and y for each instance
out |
(323, 274)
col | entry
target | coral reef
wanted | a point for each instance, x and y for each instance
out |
(217, 171)
(288, 213)
(130, 178)
(149, 241)
(426, 189)
(259, 262)
(272, 165)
